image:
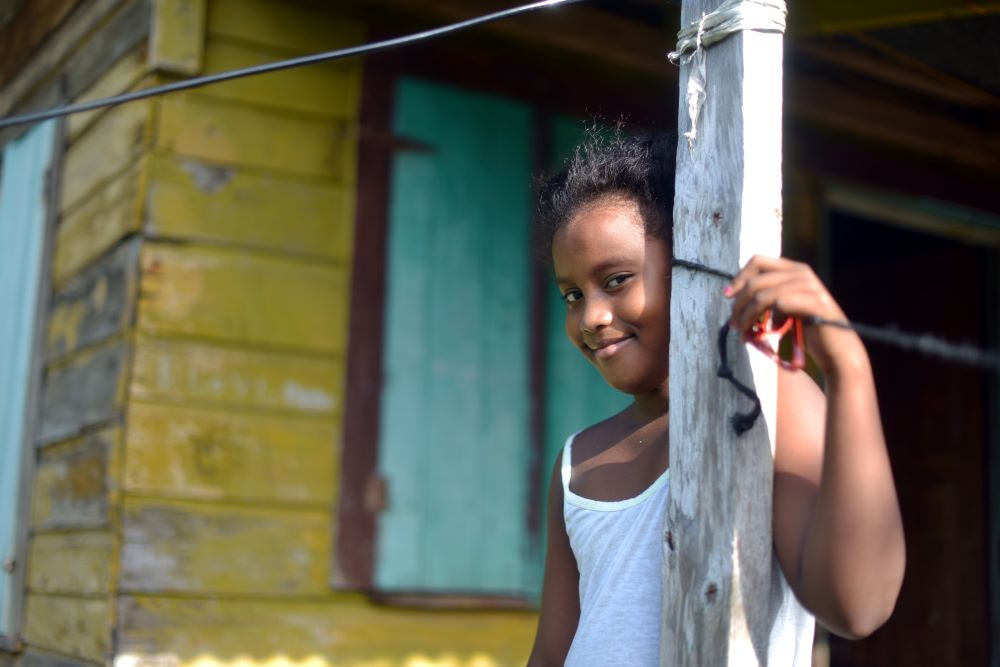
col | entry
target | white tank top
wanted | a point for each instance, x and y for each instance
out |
(620, 557)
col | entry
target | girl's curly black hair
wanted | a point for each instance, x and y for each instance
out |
(640, 168)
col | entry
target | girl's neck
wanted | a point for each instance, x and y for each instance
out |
(651, 406)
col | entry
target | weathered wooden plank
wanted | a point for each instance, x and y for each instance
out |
(125, 74)
(192, 200)
(724, 585)
(329, 89)
(236, 296)
(73, 480)
(77, 627)
(33, 657)
(281, 25)
(111, 213)
(830, 16)
(220, 455)
(197, 547)
(177, 37)
(199, 374)
(70, 563)
(86, 391)
(197, 127)
(80, 60)
(29, 28)
(97, 303)
(105, 150)
(347, 629)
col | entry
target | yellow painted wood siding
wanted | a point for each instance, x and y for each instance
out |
(232, 440)
(72, 565)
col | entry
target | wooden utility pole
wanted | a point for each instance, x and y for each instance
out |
(719, 567)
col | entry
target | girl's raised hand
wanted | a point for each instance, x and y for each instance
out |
(793, 289)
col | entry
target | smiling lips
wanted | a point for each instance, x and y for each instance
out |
(607, 348)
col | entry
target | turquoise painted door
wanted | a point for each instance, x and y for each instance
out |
(454, 434)
(22, 236)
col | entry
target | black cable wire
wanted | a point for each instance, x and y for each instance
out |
(926, 344)
(350, 52)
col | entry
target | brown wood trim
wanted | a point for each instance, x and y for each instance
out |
(27, 30)
(355, 533)
(446, 602)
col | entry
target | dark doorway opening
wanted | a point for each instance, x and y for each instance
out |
(935, 417)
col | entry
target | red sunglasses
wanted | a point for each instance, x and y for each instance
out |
(766, 338)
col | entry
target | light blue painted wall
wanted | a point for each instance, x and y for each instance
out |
(22, 236)
(454, 432)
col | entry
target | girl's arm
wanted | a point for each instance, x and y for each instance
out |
(560, 611)
(838, 533)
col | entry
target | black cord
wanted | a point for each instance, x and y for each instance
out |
(350, 52)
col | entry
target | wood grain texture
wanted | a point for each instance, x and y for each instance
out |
(241, 297)
(718, 557)
(73, 481)
(76, 627)
(280, 25)
(177, 36)
(328, 89)
(211, 454)
(96, 304)
(198, 547)
(87, 390)
(111, 213)
(195, 126)
(127, 73)
(32, 23)
(193, 200)
(200, 374)
(70, 563)
(344, 631)
(105, 151)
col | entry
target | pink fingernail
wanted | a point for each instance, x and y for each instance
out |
(727, 290)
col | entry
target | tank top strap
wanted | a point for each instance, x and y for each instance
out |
(567, 462)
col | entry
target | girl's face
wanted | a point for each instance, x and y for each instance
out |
(615, 280)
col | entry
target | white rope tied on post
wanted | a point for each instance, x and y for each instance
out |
(731, 17)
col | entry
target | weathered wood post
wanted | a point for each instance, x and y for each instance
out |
(718, 556)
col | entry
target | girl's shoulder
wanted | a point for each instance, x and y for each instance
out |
(598, 438)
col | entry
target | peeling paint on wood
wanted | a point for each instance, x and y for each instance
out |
(190, 199)
(212, 454)
(344, 631)
(104, 151)
(77, 627)
(72, 482)
(111, 213)
(173, 546)
(70, 563)
(241, 297)
(198, 374)
(197, 127)
(87, 390)
(96, 304)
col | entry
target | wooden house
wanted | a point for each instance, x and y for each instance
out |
(282, 383)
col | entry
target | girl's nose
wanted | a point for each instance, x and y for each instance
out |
(596, 315)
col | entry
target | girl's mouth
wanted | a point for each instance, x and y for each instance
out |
(608, 349)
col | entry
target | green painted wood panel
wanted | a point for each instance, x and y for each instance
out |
(22, 237)
(454, 433)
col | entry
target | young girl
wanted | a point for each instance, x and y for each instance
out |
(837, 530)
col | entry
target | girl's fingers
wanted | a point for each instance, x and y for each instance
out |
(761, 293)
(759, 264)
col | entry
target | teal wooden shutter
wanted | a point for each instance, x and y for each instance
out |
(454, 432)
(22, 236)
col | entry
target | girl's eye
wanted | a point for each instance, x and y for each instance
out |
(617, 281)
(572, 296)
